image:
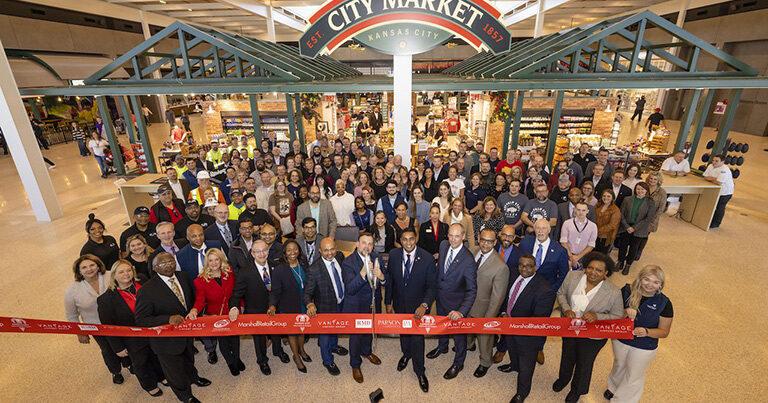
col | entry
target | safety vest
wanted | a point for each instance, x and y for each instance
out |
(234, 212)
(180, 171)
(213, 156)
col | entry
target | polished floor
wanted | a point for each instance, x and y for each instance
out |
(716, 280)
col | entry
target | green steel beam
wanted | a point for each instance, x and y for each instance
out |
(176, 53)
(184, 53)
(694, 59)
(109, 131)
(126, 117)
(685, 123)
(299, 119)
(291, 117)
(553, 126)
(507, 127)
(254, 102)
(144, 135)
(727, 122)
(639, 36)
(701, 118)
(519, 102)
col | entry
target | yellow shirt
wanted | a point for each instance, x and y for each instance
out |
(234, 212)
(180, 171)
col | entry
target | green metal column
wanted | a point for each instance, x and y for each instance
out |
(299, 119)
(127, 117)
(357, 99)
(109, 132)
(685, 123)
(35, 110)
(518, 119)
(701, 118)
(291, 117)
(553, 126)
(727, 122)
(507, 126)
(252, 99)
(144, 135)
(445, 99)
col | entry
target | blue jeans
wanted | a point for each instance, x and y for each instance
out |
(102, 160)
(83, 149)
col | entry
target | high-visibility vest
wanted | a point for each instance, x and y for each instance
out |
(234, 212)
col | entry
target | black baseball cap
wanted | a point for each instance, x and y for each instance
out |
(192, 202)
(141, 210)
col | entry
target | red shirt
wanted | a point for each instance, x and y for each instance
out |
(505, 166)
(129, 297)
(212, 296)
(173, 212)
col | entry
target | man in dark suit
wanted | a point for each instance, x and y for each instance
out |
(456, 291)
(253, 283)
(598, 178)
(376, 120)
(528, 295)
(166, 299)
(166, 233)
(224, 230)
(510, 254)
(324, 293)
(308, 241)
(441, 170)
(411, 287)
(616, 185)
(192, 257)
(551, 257)
(363, 276)
(240, 250)
(565, 210)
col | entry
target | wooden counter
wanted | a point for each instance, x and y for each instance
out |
(699, 198)
(139, 191)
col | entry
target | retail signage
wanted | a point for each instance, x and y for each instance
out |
(402, 27)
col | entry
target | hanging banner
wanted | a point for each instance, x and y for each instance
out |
(207, 326)
(404, 27)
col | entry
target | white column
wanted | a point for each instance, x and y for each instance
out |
(270, 25)
(23, 146)
(161, 99)
(402, 74)
(538, 29)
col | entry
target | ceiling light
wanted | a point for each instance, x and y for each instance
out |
(189, 9)
(162, 1)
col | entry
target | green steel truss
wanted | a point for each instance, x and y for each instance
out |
(613, 48)
(210, 55)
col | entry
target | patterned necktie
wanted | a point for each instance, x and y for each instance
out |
(310, 251)
(337, 280)
(265, 277)
(227, 234)
(177, 290)
(513, 296)
(448, 261)
(501, 252)
(539, 254)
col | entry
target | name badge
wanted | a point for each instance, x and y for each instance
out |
(429, 230)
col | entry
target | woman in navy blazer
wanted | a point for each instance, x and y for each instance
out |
(213, 289)
(287, 296)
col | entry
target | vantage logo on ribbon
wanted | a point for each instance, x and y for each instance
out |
(403, 27)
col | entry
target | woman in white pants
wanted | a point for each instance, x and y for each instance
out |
(652, 313)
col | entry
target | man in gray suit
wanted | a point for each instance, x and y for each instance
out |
(307, 240)
(321, 211)
(492, 280)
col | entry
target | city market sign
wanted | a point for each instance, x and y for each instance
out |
(402, 27)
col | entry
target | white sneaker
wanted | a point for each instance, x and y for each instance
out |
(52, 167)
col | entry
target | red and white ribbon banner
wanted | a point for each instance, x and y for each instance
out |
(336, 324)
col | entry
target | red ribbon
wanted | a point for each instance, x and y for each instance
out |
(206, 326)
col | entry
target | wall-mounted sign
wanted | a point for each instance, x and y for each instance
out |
(401, 27)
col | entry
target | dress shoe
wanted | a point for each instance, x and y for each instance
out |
(213, 358)
(195, 350)
(572, 397)
(118, 379)
(339, 350)
(499, 356)
(193, 400)
(471, 348)
(625, 270)
(332, 369)
(306, 358)
(480, 371)
(265, 369)
(234, 369)
(373, 359)
(357, 374)
(435, 353)
(559, 385)
(283, 357)
(507, 368)
(403, 363)
(164, 382)
(608, 395)
(202, 382)
(156, 393)
(517, 399)
(240, 365)
(452, 371)
(423, 383)
(299, 364)
(540, 358)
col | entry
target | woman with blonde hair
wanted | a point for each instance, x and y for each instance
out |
(457, 213)
(659, 196)
(117, 306)
(489, 217)
(137, 254)
(213, 288)
(652, 314)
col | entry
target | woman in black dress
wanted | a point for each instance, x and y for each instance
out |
(287, 295)
(104, 247)
(428, 184)
(403, 221)
(432, 232)
(138, 253)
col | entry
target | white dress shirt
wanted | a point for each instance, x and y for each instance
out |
(524, 281)
(580, 298)
(177, 190)
(330, 274)
(263, 269)
(483, 258)
(412, 254)
(167, 281)
(200, 257)
(671, 165)
(544, 249)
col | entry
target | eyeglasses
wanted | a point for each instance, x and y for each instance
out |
(487, 240)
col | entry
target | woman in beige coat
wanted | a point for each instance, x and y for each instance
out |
(458, 214)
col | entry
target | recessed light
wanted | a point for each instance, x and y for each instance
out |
(162, 1)
(189, 9)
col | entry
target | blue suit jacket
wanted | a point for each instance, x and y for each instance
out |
(357, 291)
(421, 286)
(456, 287)
(555, 267)
(187, 258)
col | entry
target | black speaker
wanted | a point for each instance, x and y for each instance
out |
(705, 157)
(736, 173)
(710, 144)
(740, 161)
(744, 148)
(702, 167)
(731, 147)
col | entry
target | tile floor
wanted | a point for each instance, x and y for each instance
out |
(716, 279)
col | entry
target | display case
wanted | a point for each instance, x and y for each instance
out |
(241, 123)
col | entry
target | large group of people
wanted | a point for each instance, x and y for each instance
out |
(243, 230)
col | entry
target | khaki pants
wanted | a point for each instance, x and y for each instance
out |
(627, 376)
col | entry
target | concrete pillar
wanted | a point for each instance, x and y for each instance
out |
(23, 146)
(538, 28)
(270, 25)
(402, 75)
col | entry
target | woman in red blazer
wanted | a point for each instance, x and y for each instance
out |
(213, 288)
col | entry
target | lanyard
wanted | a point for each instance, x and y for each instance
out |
(582, 228)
